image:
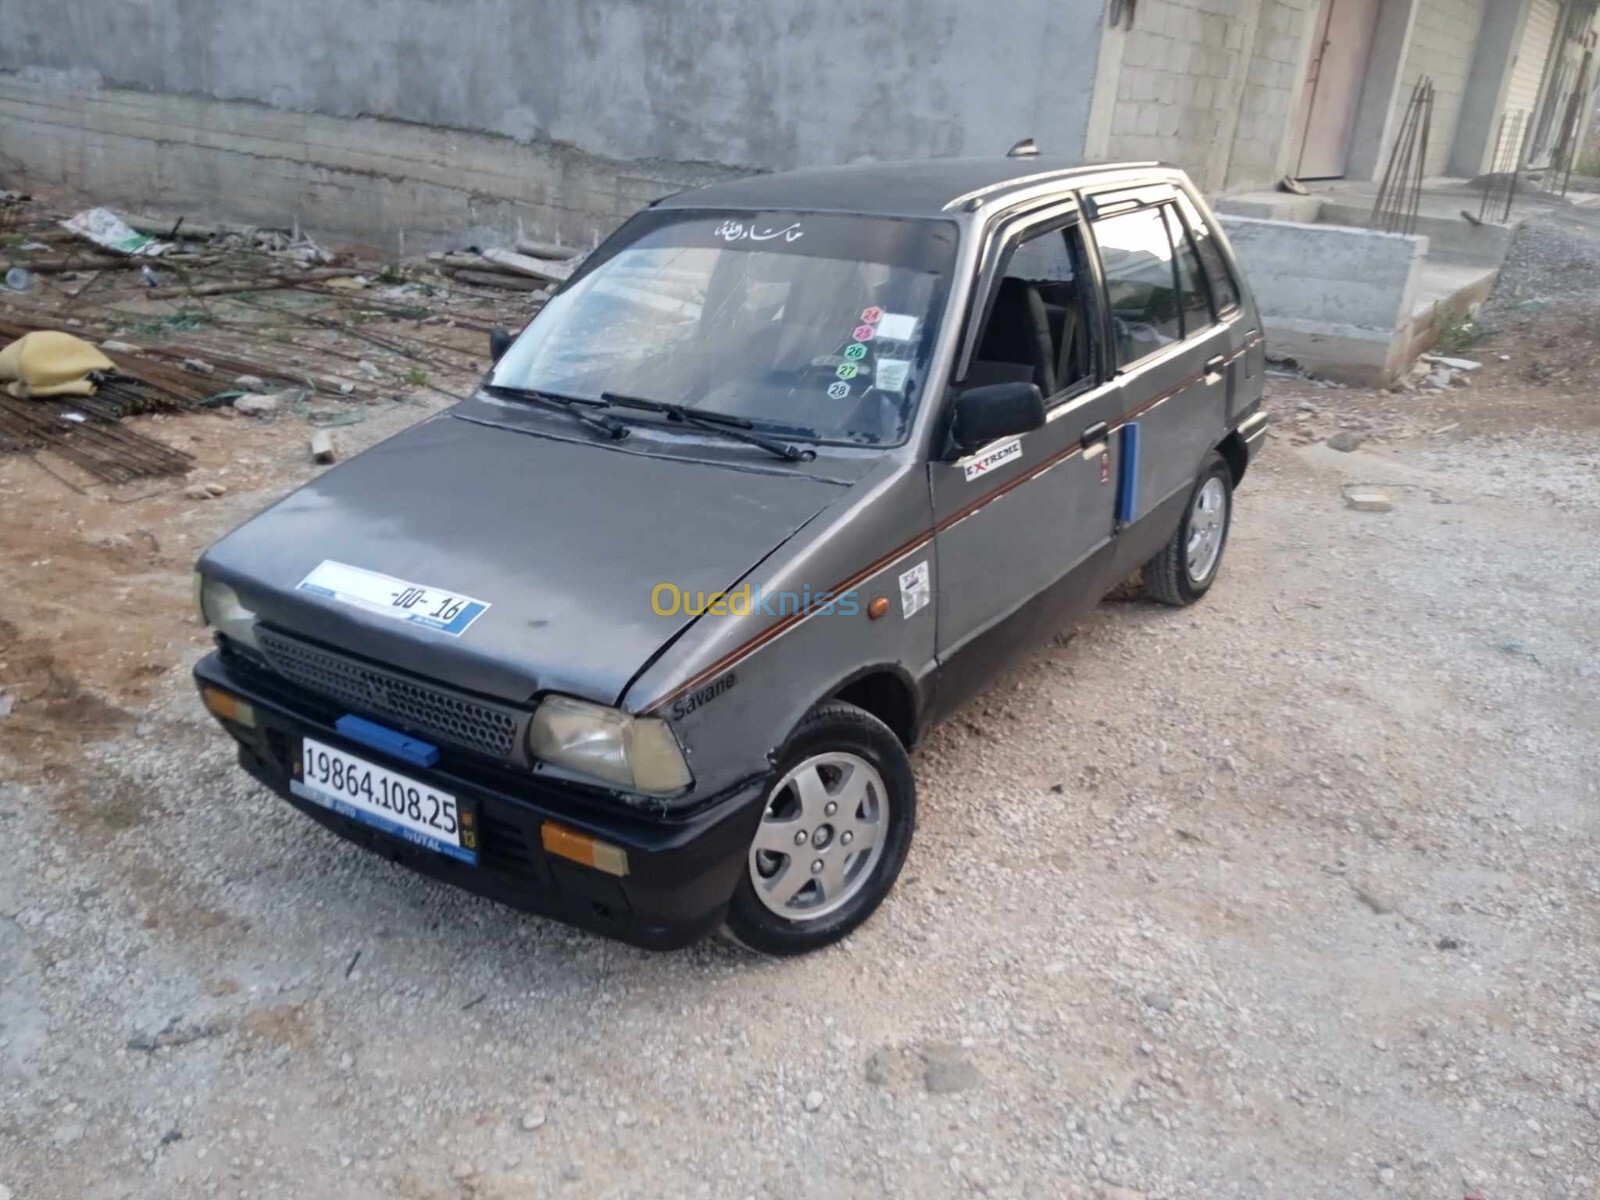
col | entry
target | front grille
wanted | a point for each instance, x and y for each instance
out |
(420, 708)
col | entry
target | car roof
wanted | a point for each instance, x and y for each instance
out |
(922, 188)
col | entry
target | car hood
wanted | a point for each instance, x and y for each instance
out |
(564, 540)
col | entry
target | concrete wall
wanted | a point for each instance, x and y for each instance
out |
(384, 183)
(625, 86)
(1337, 300)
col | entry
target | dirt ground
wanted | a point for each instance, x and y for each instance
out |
(1294, 893)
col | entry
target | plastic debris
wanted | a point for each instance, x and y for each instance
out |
(104, 228)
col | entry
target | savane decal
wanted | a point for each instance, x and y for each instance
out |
(701, 697)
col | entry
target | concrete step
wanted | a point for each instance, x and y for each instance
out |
(1451, 238)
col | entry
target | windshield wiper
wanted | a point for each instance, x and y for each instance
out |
(729, 426)
(575, 405)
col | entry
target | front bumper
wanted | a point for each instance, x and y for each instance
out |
(681, 870)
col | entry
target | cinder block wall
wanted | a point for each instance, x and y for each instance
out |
(1272, 90)
(1174, 93)
(1443, 41)
(1211, 86)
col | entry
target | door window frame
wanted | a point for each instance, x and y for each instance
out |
(1002, 237)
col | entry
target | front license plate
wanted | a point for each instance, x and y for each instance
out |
(376, 796)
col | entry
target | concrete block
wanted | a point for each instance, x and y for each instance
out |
(1368, 500)
(1338, 300)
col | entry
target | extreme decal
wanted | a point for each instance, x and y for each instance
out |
(994, 459)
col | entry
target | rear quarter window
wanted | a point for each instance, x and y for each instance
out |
(1224, 291)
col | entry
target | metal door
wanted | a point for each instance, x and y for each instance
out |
(1332, 92)
(1172, 352)
(1021, 524)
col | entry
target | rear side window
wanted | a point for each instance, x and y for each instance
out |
(1141, 283)
(1191, 279)
(1224, 292)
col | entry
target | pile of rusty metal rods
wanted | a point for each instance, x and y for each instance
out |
(1400, 193)
(106, 449)
(1500, 188)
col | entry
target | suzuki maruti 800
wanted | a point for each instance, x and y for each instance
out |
(639, 635)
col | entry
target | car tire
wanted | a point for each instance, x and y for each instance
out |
(802, 848)
(1185, 568)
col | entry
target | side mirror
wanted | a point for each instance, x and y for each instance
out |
(996, 410)
(500, 340)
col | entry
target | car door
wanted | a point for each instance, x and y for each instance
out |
(1241, 341)
(1171, 354)
(1023, 526)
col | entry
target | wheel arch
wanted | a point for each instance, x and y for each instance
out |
(1236, 454)
(888, 693)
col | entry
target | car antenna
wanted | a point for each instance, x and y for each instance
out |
(1026, 148)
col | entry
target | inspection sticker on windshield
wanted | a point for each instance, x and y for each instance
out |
(892, 374)
(448, 612)
(993, 460)
(897, 327)
(915, 591)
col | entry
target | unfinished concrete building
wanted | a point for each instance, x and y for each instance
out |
(409, 121)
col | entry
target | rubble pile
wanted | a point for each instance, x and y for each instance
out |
(172, 316)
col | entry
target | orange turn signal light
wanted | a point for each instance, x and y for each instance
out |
(581, 848)
(228, 708)
(878, 607)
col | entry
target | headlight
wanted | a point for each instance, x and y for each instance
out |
(221, 610)
(637, 753)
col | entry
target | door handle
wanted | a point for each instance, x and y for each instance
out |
(1214, 369)
(1094, 434)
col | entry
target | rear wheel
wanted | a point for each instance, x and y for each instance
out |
(1184, 569)
(835, 829)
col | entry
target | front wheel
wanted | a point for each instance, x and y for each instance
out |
(835, 829)
(1184, 569)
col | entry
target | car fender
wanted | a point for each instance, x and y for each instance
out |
(738, 682)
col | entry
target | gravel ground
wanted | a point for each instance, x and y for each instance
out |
(1295, 893)
(1553, 257)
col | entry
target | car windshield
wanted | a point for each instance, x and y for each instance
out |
(815, 325)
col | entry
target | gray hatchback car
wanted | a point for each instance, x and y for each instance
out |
(639, 636)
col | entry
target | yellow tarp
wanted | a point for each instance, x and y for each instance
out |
(48, 363)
